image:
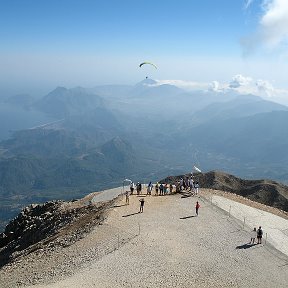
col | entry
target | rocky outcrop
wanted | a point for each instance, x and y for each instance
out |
(33, 223)
(52, 223)
(266, 192)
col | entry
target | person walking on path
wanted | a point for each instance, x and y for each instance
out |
(259, 235)
(127, 197)
(142, 201)
(197, 207)
(253, 236)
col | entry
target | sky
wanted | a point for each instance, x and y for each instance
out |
(196, 44)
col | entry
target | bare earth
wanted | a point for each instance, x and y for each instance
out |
(174, 249)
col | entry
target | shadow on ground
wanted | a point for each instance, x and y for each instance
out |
(245, 246)
(117, 206)
(187, 217)
(131, 214)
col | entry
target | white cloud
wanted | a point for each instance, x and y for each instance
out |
(215, 86)
(240, 80)
(272, 32)
(240, 84)
(247, 85)
(265, 88)
(186, 85)
(274, 22)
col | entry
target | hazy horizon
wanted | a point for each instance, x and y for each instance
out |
(195, 44)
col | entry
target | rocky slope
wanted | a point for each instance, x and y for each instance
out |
(267, 192)
(48, 225)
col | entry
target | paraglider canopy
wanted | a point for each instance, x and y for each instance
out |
(149, 63)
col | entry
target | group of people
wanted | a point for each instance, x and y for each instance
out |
(160, 188)
(164, 188)
(256, 233)
(188, 184)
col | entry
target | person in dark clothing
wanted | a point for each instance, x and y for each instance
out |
(142, 201)
(259, 235)
(138, 188)
(197, 207)
(161, 188)
(127, 197)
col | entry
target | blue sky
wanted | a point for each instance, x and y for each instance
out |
(44, 44)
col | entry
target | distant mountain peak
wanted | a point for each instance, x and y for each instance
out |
(58, 90)
(63, 102)
(147, 82)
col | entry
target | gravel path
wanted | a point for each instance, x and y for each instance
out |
(107, 195)
(177, 249)
(275, 228)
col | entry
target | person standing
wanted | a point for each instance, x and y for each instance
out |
(181, 184)
(157, 188)
(138, 188)
(132, 187)
(149, 188)
(259, 235)
(165, 189)
(171, 188)
(253, 236)
(142, 201)
(127, 197)
(161, 188)
(196, 187)
(197, 207)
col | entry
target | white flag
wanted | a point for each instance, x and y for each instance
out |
(197, 169)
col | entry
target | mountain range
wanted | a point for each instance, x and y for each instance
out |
(72, 141)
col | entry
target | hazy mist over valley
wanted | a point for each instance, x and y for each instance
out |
(80, 112)
(79, 140)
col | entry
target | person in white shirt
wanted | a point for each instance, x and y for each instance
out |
(253, 236)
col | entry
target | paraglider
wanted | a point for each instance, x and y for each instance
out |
(149, 63)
